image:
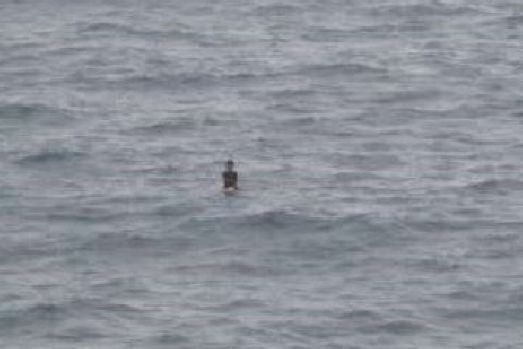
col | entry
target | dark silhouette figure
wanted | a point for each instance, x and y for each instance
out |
(230, 177)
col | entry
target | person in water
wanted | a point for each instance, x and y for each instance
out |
(230, 177)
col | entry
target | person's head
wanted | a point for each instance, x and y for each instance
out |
(229, 165)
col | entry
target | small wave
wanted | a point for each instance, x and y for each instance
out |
(249, 270)
(53, 315)
(170, 339)
(18, 111)
(146, 244)
(68, 51)
(336, 70)
(50, 156)
(118, 28)
(356, 233)
(119, 241)
(277, 219)
(374, 146)
(518, 19)
(434, 265)
(406, 96)
(354, 176)
(500, 237)
(299, 121)
(10, 297)
(77, 333)
(292, 108)
(26, 111)
(24, 252)
(108, 27)
(265, 221)
(80, 305)
(330, 249)
(383, 29)
(402, 327)
(429, 225)
(173, 81)
(287, 94)
(516, 296)
(499, 186)
(275, 10)
(166, 127)
(41, 313)
(16, 61)
(503, 252)
(370, 162)
(462, 296)
(240, 304)
(103, 26)
(174, 211)
(193, 272)
(326, 35)
(414, 11)
(83, 214)
(498, 314)
(511, 22)
(360, 315)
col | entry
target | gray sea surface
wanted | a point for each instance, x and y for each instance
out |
(380, 150)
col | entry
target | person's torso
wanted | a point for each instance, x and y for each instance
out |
(230, 179)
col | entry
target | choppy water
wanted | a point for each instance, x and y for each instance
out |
(381, 160)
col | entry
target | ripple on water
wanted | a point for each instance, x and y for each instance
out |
(170, 339)
(496, 186)
(408, 111)
(50, 156)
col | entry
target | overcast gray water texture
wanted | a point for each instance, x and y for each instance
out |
(380, 151)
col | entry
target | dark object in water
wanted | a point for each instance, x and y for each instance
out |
(230, 177)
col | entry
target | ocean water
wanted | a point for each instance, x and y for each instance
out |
(380, 153)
